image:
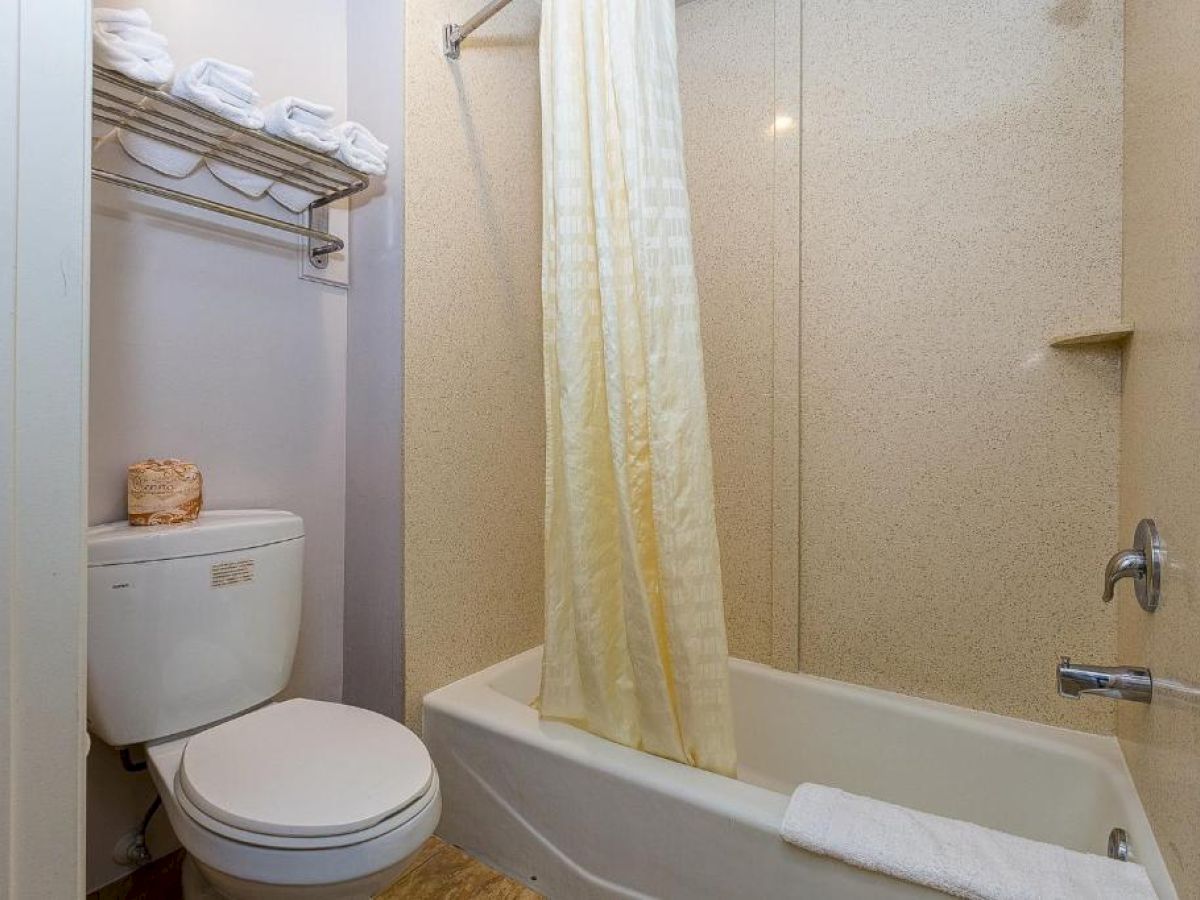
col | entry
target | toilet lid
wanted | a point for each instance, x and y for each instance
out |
(305, 768)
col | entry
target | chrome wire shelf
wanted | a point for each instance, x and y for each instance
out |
(133, 107)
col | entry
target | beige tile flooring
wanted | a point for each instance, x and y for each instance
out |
(439, 871)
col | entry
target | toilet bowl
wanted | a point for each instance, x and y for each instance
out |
(299, 799)
(192, 631)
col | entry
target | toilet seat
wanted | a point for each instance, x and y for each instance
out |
(371, 857)
(303, 773)
(254, 839)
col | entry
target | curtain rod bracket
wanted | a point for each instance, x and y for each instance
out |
(454, 35)
(452, 41)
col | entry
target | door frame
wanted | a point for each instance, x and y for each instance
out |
(45, 95)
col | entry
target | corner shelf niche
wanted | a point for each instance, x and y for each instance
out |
(1111, 333)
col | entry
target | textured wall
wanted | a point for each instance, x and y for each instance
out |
(961, 202)
(473, 411)
(739, 71)
(1160, 417)
(474, 419)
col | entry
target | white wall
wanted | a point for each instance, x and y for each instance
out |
(206, 345)
(374, 628)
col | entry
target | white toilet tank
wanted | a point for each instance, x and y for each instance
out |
(190, 624)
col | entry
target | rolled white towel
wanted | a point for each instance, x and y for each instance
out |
(359, 149)
(302, 122)
(134, 18)
(958, 858)
(123, 41)
(221, 88)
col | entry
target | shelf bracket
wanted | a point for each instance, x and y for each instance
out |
(319, 248)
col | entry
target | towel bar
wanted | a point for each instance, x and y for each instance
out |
(329, 243)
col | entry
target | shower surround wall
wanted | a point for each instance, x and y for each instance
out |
(739, 77)
(961, 185)
(961, 203)
(1160, 417)
(473, 409)
(474, 420)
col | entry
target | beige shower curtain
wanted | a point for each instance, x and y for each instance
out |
(635, 631)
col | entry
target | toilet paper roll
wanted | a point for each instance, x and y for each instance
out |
(164, 492)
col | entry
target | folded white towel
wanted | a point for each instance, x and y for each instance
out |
(238, 178)
(360, 150)
(123, 41)
(173, 161)
(303, 122)
(221, 88)
(295, 199)
(960, 858)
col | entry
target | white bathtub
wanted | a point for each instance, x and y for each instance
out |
(574, 816)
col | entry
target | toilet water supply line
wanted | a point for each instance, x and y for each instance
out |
(132, 849)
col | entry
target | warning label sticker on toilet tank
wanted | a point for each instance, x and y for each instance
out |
(239, 571)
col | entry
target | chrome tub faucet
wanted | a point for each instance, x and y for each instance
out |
(1117, 682)
(1143, 563)
(1123, 564)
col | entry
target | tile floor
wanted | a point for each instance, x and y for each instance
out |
(443, 872)
(439, 871)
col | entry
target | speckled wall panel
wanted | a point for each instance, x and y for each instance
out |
(961, 203)
(743, 179)
(473, 433)
(1160, 417)
(726, 83)
(785, 460)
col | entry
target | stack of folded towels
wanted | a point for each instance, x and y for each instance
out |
(360, 150)
(301, 122)
(124, 42)
(219, 87)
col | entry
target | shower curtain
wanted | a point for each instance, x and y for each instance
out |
(635, 645)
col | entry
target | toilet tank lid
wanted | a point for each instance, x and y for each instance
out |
(219, 531)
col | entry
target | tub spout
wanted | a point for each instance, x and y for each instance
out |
(1117, 682)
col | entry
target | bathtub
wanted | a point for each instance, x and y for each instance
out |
(575, 816)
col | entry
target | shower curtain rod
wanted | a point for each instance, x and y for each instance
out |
(453, 35)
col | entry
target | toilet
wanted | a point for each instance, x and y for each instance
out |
(192, 630)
